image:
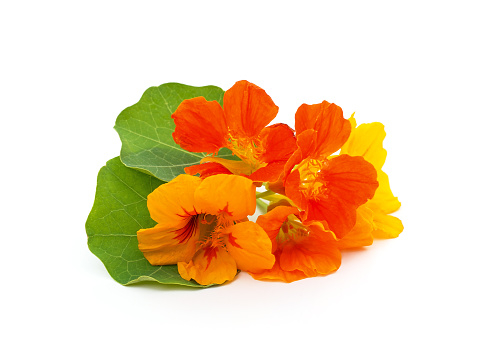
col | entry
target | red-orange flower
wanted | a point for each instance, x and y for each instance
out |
(240, 125)
(301, 250)
(327, 188)
(203, 227)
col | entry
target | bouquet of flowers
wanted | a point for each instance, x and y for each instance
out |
(196, 162)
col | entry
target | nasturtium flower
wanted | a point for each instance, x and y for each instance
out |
(301, 249)
(327, 188)
(366, 140)
(240, 125)
(202, 226)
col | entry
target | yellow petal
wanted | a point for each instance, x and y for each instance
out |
(367, 141)
(172, 201)
(228, 193)
(384, 198)
(161, 246)
(353, 122)
(210, 265)
(386, 226)
(250, 246)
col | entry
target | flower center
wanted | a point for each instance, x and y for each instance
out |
(291, 230)
(248, 150)
(213, 230)
(311, 183)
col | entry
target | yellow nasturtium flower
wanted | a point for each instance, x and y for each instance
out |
(203, 227)
(373, 219)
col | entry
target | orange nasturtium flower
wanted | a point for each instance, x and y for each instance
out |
(327, 188)
(301, 249)
(202, 226)
(240, 125)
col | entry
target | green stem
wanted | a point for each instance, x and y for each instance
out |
(262, 206)
(264, 194)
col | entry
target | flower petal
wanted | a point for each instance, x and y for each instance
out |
(210, 265)
(206, 169)
(367, 141)
(276, 273)
(270, 173)
(306, 142)
(250, 246)
(278, 143)
(162, 246)
(384, 197)
(362, 233)
(328, 121)
(385, 226)
(278, 185)
(293, 190)
(314, 254)
(235, 167)
(232, 194)
(272, 221)
(248, 109)
(200, 126)
(171, 202)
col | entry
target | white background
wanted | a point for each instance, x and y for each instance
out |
(419, 67)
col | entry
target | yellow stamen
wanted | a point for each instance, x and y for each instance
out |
(312, 185)
(249, 150)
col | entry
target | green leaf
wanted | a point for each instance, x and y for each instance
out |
(119, 211)
(146, 130)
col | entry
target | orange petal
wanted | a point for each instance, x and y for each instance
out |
(362, 233)
(276, 273)
(232, 194)
(328, 121)
(270, 173)
(210, 265)
(248, 109)
(163, 246)
(314, 254)
(250, 246)
(278, 185)
(306, 142)
(206, 169)
(272, 221)
(293, 190)
(200, 126)
(278, 142)
(171, 202)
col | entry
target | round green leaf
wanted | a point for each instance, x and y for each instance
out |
(119, 211)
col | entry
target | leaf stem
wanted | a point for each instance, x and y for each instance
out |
(262, 206)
